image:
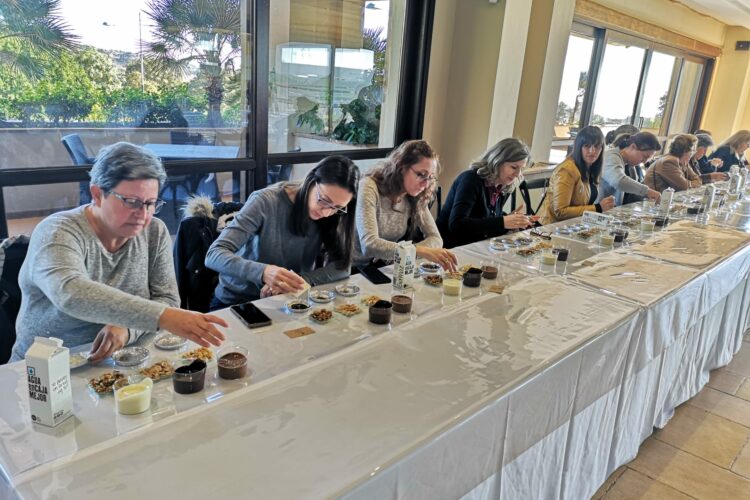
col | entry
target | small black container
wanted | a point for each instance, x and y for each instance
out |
(189, 379)
(473, 277)
(380, 312)
(562, 254)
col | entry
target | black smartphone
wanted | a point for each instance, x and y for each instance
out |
(251, 315)
(374, 274)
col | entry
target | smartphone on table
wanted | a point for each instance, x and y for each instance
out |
(374, 274)
(251, 315)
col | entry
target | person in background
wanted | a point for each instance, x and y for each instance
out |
(103, 272)
(274, 243)
(673, 169)
(393, 205)
(704, 167)
(473, 210)
(701, 131)
(619, 175)
(622, 129)
(731, 151)
(573, 186)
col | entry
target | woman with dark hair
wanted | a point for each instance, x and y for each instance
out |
(673, 169)
(102, 273)
(622, 129)
(393, 206)
(274, 242)
(704, 167)
(731, 151)
(473, 210)
(620, 176)
(573, 186)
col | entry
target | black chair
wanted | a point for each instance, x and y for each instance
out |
(278, 173)
(195, 138)
(77, 151)
(12, 254)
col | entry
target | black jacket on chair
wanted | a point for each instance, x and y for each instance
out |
(195, 282)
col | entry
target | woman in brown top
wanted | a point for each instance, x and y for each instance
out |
(573, 187)
(673, 169)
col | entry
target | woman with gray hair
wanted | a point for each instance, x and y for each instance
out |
(103, 272)
(473, 210)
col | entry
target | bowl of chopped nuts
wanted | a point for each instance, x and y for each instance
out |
(321, 315)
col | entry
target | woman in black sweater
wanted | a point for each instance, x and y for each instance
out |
(473, 210)
(730, 151)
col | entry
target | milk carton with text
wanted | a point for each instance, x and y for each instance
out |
(404, 260)
(48, 375)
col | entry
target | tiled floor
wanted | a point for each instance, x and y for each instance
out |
(703, 452)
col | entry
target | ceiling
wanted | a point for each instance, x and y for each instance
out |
(731, 12)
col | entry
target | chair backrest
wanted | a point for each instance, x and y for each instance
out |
(12, 254)
(76, 149)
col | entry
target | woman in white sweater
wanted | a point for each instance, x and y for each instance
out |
(392, 204)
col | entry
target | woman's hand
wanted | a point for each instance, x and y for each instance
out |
(445, 258)
(653, 195)
(716, 162)
(108, 340)
(516, 221)
(193, 326)
(280, 280)
(718, 176)
(607, 203)
(266, 292)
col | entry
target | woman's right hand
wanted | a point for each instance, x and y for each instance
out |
(607, 203)
(194, 326)
(280, 280)
(716, 162)
(718, 176)
(653, 195)
(516, 221)
(444, 258)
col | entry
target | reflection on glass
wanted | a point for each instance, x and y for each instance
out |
(147, 72)
(573, 87)
(685, 97)
(656, 92)
(334, 73)
(617, 85)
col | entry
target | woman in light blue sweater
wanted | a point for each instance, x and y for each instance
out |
(277, 240)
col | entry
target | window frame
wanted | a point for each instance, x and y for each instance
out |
(412, 88)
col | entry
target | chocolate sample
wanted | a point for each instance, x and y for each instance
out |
(380, 312)
(232, 365)
(401, 304)
(189, 379)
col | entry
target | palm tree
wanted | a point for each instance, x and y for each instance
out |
(31, 30)
(202, 34)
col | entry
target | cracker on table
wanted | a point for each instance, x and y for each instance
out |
(299, 332)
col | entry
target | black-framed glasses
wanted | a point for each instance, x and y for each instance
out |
(327, 204)
(541, 234)
(136, 204)
(424, 176)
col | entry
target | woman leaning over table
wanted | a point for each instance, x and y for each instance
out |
(103, 272)
(731, 151)
(573, 186)
(473, 210)
(673, 169)
(393, 206)
(619, 170)
(704, 167)
(274, 242)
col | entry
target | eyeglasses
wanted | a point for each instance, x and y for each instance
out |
(424, 176)
(541, 234)
(136, 204)
(327, 204)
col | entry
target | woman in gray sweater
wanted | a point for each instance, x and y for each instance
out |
(393, 205)
(103, 272)
(275, 242)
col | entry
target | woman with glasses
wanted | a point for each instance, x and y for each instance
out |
(673, 169)
(620, 172)
(103, 272)
(274, 244)
(473, 210)
(393, 206)
(574, 184)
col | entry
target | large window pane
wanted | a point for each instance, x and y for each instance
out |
(656, 92)
(573, 87)
(617, 86)
(685, 97)
(333, 73)
(149, 72)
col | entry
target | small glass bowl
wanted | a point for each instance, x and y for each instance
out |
(347, 290)
(298, 307)
(130, 356)
(322, 296)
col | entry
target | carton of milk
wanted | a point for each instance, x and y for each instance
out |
(404, 260)
(48, 375)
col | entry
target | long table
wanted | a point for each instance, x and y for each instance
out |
(539, 392)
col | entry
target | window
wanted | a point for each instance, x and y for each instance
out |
(333, 74)
(616, 78)
(186, 83)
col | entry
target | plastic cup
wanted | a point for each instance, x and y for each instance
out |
(133, 394)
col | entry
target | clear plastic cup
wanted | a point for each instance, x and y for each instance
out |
(133, 394)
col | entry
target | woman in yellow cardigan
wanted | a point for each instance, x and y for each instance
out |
(573, 187)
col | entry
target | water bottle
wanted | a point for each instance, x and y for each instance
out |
(734, 182)
(666, 201)
(708, 198)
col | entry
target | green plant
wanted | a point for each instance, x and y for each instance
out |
(311, 119)
(360, 123)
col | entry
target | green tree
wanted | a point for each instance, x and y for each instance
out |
(196, 33)
(563, 113)
(28, 29)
